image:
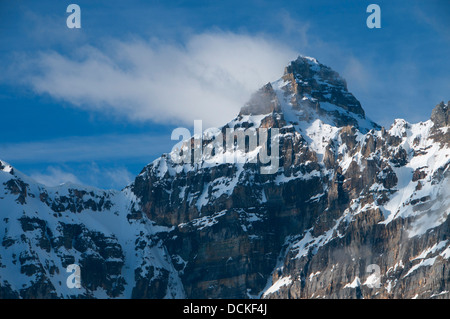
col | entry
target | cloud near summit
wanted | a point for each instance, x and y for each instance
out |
(208, 77)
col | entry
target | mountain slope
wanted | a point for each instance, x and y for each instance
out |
(340, 198)
(46, 229)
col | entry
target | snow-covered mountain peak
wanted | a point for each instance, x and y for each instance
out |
(309, 91)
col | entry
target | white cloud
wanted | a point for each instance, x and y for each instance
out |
(107, 177)
(119, 176)
(357, 74)
(209, 77)
(295, 29)
(54, 176)
(99, 161)
(92, 174)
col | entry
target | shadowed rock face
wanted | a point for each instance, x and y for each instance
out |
(440, 115)
(349, 199)
(264, 101)
(308, 76)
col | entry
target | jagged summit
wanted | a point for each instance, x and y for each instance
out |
(309, 78)
(308, 91)
(263, 101)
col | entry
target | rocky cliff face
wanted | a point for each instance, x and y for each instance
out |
(353, 210)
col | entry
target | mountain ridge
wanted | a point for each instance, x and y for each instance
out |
(348, 194)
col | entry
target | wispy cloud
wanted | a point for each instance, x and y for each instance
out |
(436, 16)
(54, 176)
(209, 77)
(92, 174)
(109, 177)
(86, 149)
(295, 29)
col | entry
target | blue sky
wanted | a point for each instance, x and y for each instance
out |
(95, 105)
